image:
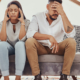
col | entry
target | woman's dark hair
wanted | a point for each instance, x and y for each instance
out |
(18, 5)
(60, 1)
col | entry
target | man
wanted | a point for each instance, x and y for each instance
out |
(45, 33)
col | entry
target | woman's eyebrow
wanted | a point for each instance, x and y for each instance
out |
(14, 9)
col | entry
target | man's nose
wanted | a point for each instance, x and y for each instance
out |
(55, 12)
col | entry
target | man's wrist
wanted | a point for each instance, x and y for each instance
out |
(49, 36)
(63, 13)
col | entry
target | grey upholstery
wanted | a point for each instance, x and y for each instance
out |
(50, 58)
(52, 64)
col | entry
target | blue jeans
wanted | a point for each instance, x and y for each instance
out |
(20, 57)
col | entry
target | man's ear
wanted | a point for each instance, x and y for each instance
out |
(47, 6)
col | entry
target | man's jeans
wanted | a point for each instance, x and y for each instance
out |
(20, 57)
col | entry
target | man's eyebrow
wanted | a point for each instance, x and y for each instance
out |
(76, 1)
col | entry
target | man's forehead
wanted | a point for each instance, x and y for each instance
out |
(51, 2)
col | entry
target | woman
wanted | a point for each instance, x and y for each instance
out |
(13, 36)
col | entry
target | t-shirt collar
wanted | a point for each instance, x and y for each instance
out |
(14, 24)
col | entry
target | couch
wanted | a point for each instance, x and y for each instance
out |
(51, 65)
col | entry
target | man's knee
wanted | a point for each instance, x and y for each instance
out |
(30, 41)
(72, 41)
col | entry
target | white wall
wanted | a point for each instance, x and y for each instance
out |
(31, 7)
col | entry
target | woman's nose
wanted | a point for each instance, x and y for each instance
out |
(13, 12)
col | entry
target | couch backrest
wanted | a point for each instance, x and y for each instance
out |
(77, 38)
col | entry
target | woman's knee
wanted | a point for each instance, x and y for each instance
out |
(19, 44)
(3, 48)
(3, 44)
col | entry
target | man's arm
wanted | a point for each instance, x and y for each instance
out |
(40, 36)
(33, 31)
(67, 25)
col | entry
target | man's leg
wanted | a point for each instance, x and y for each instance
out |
(5, 50)
(69, 54)
(68, 49)
(33, 49)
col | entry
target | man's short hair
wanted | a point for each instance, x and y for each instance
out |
(60, 1)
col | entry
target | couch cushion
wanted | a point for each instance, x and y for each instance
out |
(50, 58)
(56, 58)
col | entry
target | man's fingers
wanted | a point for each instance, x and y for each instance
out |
(51, 45)
(54, 5)
(56, 50)
(54, 9)
(55, 2)
(53, 49)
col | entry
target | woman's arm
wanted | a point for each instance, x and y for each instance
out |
(3, 35)
(22, 31)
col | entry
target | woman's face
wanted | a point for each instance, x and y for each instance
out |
(13, 12)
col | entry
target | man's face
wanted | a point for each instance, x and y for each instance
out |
(53, 14)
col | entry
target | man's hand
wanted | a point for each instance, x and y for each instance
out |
(58, 7)
(54, 45)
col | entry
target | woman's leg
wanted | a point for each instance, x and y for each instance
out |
(5, 50)
(20, 58)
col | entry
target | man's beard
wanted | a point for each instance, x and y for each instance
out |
(52, 18)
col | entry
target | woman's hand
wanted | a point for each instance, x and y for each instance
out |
(6, 18)
(21, 19)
